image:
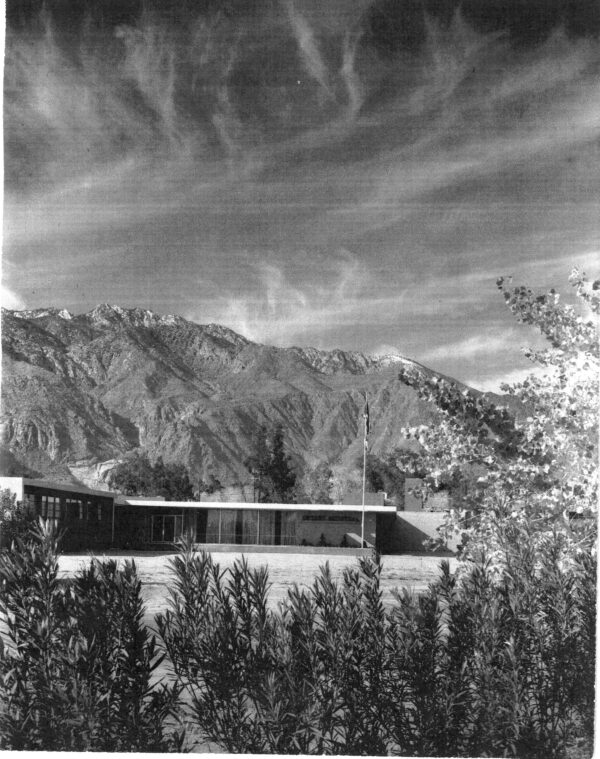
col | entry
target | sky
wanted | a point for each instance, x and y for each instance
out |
(343, 173)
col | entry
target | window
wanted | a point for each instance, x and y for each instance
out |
(30, 503)
(50, 507)
(99, 512)
(166, 528)
(73, 508)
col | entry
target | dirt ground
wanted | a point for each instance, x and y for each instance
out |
(285, 569)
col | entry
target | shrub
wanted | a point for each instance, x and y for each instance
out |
(302, 680)
(497, 665)
(76, 671)
(15, 518)
(482, 663)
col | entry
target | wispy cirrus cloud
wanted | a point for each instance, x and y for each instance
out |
(281, 311)
(308, 46)
(494, 383)
(214, 161)
(10, 299)
(472, 346)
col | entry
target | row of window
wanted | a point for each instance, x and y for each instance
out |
(55, 507)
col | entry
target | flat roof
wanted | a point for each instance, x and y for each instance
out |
(50, 485)
(335, 507)
(121, 500)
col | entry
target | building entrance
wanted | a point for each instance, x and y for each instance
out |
(166, 528)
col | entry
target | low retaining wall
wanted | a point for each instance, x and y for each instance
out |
(253, 548)
(412, 528)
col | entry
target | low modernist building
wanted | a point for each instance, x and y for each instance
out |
(101, 519)
(86, 516)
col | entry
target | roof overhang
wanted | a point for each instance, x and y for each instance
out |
(324, 507)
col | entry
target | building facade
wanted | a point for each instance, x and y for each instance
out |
(94, 519)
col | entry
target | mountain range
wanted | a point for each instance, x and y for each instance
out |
(80, 391)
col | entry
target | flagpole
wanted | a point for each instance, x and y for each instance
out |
(364, 482)
(362, 521)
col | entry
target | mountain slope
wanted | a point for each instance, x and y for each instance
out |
(81, 390)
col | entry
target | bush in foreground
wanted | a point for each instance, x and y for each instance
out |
(483, 664)
(76, 665)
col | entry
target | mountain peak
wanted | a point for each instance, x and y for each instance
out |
(105, 313)
(39, 313)
(85, 389)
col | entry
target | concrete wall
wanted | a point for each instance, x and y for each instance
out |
(334, 531)
(411, 528)
(310, 550)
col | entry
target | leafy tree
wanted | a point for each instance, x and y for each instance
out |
(133, 476)
(137, 476)
(258, 464)
(282, 471)
(212, 486)
(318, 484)
(533, 470)
(389, 474)
(172, 481)
(272, 469)
(15, 518)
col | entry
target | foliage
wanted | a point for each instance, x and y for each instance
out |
(272, 469)
(498, 665)
(388, 475)
(486, 662)
(77, 663)
(318, 484)
(301, 680)
(15, 518)
(137, 476)
(212, 486)
(533, 463)
(480, 664)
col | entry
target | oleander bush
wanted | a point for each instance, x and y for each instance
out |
(76, 660)
(482, 664)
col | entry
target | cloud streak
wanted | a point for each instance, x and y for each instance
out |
(283, 311)
(215, 160)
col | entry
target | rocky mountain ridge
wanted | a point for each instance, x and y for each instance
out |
(79, 391)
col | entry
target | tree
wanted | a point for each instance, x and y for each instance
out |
(212, 486)
(281, 470)
(15, 518)
(318, 484)
(389, 473)
(271, 467)
(531, 473)
(133, 476)
(137, 476)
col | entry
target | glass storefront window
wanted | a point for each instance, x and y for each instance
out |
(165, 528)
(288, 529)
(267, 527)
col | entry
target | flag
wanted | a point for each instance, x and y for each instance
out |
(366, 418)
